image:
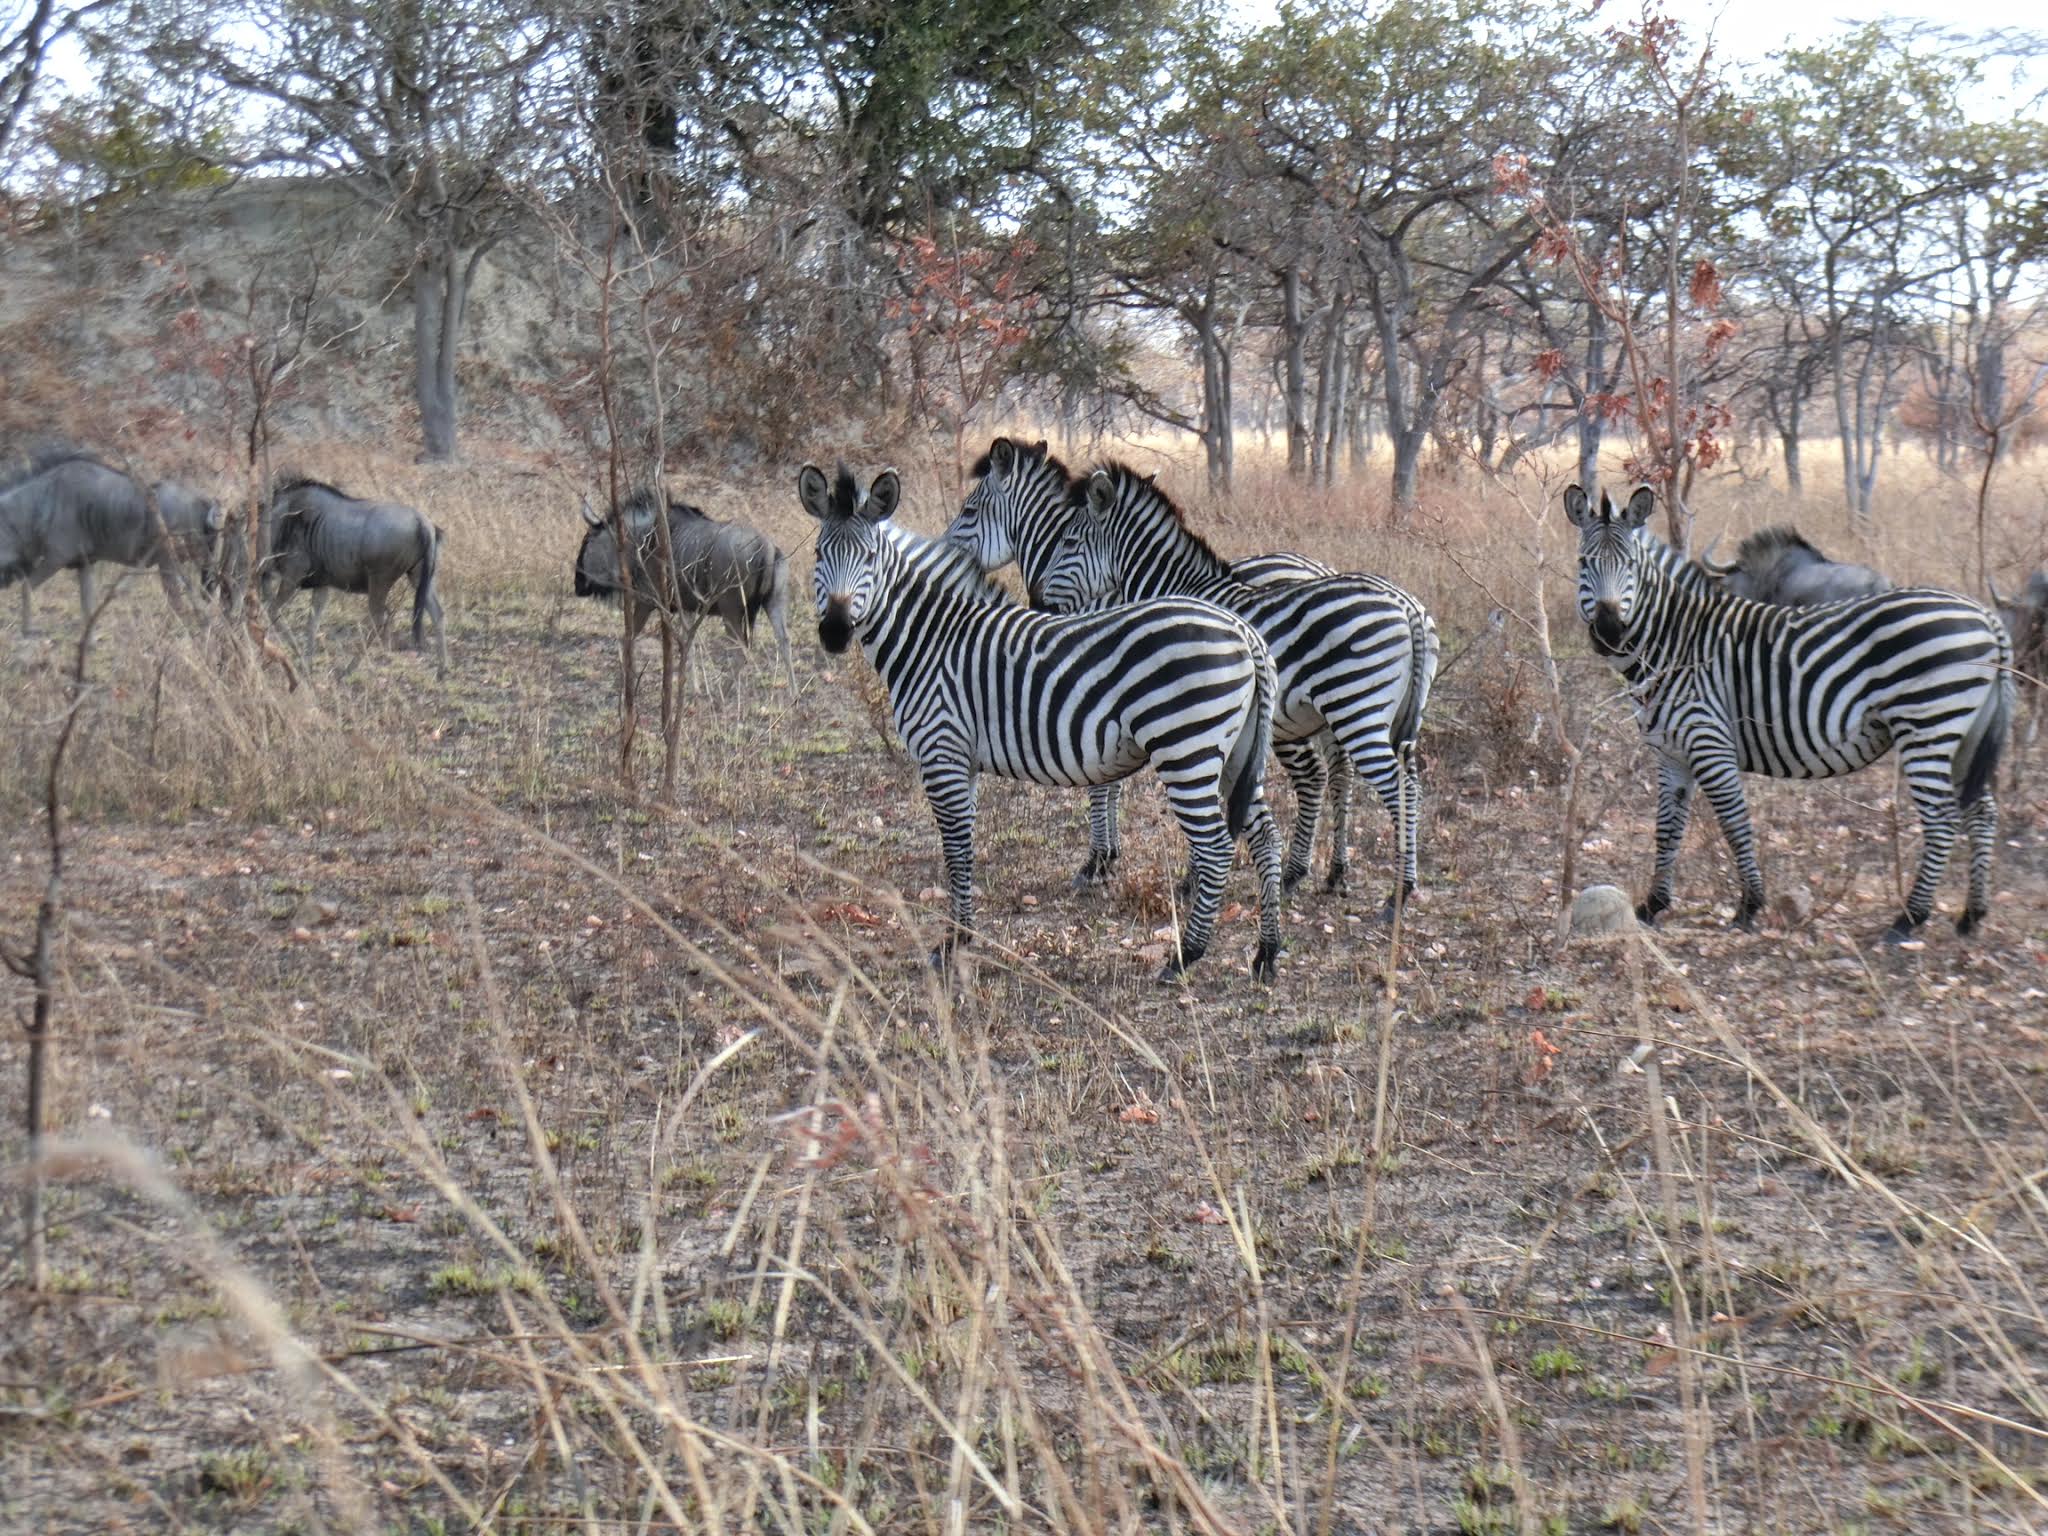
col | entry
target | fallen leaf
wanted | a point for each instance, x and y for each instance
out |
(1206, 1215)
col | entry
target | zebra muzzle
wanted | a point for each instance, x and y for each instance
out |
(835, 625)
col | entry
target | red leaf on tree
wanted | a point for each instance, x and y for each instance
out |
(1705, 288)
(1548, 363)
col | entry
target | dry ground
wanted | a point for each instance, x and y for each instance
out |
(450, 1141)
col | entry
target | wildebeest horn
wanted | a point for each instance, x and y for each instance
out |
(590, 516)
(1997, 598)
(1707, 560)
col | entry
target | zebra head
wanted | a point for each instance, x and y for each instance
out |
(1081, 575)
(851, 547)
(1612, 557)
(1019, 496)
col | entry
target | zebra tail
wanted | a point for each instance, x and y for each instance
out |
(1976, 761)
(1426, 648)
(1244, 768)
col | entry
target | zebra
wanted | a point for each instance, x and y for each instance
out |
(1350, 655)
(1723, 686)
(1016, 511)
(978, 684)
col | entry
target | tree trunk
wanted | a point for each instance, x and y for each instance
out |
(1340, 408)
(1294, 332)
(1218, 438)
(1329, 391)
(440, 295)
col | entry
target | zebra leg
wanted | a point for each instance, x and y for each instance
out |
(1264, 838)
(1304, 765)
(1380, 765)
(1980, 825)
(1104, 846)
(1674, 811)
(1198, 807)
(1338, 768)
(1721, 782)
(1934, 797)
(949, 786)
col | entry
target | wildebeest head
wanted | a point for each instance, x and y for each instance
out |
(598, 567)
(1780, 566)
(2025, 616)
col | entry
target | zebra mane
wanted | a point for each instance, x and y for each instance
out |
(1128, 479)
(1765, 545)
(1028, 455)
(937, 565)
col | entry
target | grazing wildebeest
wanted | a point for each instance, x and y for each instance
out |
(1779, 566)
(321, 539)
(2026, 620)
(728, 569)
(64, 510)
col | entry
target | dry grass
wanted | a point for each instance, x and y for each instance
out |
(452, 1144)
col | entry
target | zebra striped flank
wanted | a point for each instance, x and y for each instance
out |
(1352, 654)
(1724, 686)
(979, 685)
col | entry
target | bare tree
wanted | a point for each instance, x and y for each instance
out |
(428, 113)
(37, 964)
(24, 52)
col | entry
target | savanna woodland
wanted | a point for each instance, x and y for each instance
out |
(513, 1092)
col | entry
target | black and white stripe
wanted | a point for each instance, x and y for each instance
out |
(1724, 687)
(1352, 654)
(980, 685)
(1017, 510)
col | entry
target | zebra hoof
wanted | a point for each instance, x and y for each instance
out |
(1265, 964)
(1647, 915)
(1744, 919)
(1971, 920)
(1335, 883)
(1903, 927)
(1291, 878)
(1095, 871)
(1399, 897)
(1177, 967)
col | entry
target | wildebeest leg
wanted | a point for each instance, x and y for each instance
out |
(380, 615)
(778, 618)
(432, 604)
(85, 598)
(313, 621)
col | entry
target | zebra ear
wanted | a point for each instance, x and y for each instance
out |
(814, 491)
(884, 492)
(1101, 492)
(1576, 507)
(1002, 457)
(1039, 451)
(1640, 506)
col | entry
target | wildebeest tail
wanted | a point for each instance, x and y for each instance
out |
(430, 571)
(1244, 766)
(1976, 759)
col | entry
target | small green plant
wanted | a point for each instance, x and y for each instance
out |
(243, 1476)
(1555, 1364)
(1625, 1514)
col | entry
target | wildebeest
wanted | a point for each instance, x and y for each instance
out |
(727, 569)
(63, 510)
(321, 539)
(2025, 615)
(1778, 565)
